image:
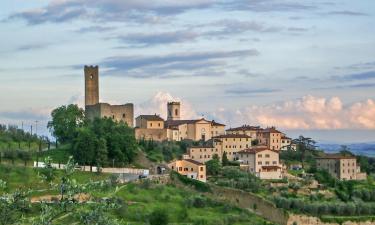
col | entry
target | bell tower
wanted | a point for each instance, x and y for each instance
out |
(173, 111)
(91, 85)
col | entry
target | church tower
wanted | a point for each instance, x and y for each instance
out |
(173, 111)
(91, 85)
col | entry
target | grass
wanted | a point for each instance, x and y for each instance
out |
(342, 219)
(24, 178)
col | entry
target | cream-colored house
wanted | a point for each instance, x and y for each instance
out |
(203, 154)
(287, 143)
(261, 161)
(151, 127)
(189, 168)
(340, 166)
(231, 143)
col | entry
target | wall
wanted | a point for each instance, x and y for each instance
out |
(151, 134)
(309, 220)
(123, 113)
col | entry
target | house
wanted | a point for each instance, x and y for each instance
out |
(287, 143)
(231, 143)
(189, 168)
(270, 137)
(342, 167)
(261, 161)
(248, 130)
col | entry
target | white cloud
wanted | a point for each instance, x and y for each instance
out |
(158, 104)
(309, 112)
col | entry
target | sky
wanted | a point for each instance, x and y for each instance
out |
(307, 67)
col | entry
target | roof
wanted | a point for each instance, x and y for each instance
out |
(201, 147)
(336, 156)
(194, 162)
(151, 117)
(270, 130)
(245, 127)
(271, 167)
(172, 123)
(232, 136)
(285, 137)
(256, 149)
(214, 123)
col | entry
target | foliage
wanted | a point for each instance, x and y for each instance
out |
(47, 173)
(235, 178)
(224, 159)
(198, 185)
(213, 166)
(159, 217)
(163, 151)
(65, 121)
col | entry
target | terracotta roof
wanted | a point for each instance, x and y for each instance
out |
(194, 162)
(270, 130)
(232, 136)
(285, 137)
(271, 167)
(256, 149)
(245, 127)
(151, 117)
(214, 123)
(336, 156)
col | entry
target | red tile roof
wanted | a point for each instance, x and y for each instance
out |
(151, 117)
(256, 149)
(194, 162)
(245, 127)
(270, 130)
(232, 136)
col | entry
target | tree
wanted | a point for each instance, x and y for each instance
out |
(101, 152)
(84, 146)
(159, 217)
(65, 121)
(304, 144)
(224, 159)
(213, 166)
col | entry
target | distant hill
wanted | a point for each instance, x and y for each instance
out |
(367, 149)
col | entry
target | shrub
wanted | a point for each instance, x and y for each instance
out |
(158, 217)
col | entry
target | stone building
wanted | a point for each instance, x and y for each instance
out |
(261, 161)
(270, 137)
(176, 129)
(341, 167)
(93, 108)
(251, 131)
(189, 168)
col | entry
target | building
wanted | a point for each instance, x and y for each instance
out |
(270, 137)
(176, 129)
(251, 131)
(342, 167)
(261, 161)
(189, 168)
(202, 154)
(95, 109)
(231, 143)
(287, 143)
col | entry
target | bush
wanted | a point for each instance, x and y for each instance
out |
(158, 217)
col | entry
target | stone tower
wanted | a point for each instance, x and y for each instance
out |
(91, 85)
(173, 111)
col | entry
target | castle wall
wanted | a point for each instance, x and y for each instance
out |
(124, 113)
(151, 134)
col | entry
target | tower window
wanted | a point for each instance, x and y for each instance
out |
(176, 112)
(91, 76)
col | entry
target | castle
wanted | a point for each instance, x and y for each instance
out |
(94, 108)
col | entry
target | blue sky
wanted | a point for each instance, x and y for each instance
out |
(299, 65)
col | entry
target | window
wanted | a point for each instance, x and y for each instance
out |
(91, 76)
(176, 112)
(113, 116)
(123, 115)
(259, 162)
(267, 155)
(267, 162)
(260, 156)
(186, 169)
(180, 168)
(274, 162)
(159, 124)
(150, 124)
(191, 169)
(192, 176)
(201, 176)
(201, 168)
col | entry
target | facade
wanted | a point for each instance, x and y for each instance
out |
(173, 110)
(93, 108)
(203, 154)
(149, 122)
(231, 143)
(189, 168)
(341, 167)
(261, 161)
(287, 143)
(270, 137)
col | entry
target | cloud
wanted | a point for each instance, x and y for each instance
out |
(360, 85)
(309, 112)
(98, 29)
(171, 65)
(145, 39)
(241, 91)
(347, 13)
(30, 114)
(266, 5)
(58, 11)
(158, 105)
(356, 76)
(359, 66)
